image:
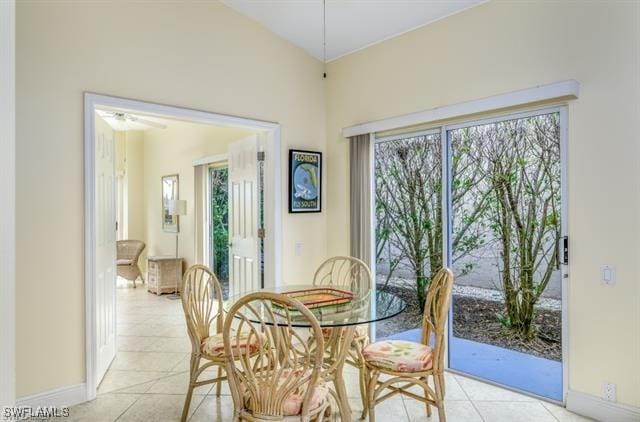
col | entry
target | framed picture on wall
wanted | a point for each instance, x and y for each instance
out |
(170, 223)
(305, 181)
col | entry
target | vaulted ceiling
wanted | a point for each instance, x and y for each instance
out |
(350, 24)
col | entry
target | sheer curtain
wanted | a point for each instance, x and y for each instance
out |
(361, 197)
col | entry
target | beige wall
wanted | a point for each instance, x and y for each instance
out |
(503, 46)
(131, 147)
(172, 151)
(200, 55)
(135, 185)
(147, 155)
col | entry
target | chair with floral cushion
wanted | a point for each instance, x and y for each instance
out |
(282, 380)
(203, 310)
(353, 274)
(409, 363)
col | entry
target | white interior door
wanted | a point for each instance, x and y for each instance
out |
(121, 227)
(105, 246)
(244, 259)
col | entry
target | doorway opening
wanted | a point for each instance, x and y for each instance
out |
(487, 199)
(134, 151)
(219, 223)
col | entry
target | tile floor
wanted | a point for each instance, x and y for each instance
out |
(148, 379)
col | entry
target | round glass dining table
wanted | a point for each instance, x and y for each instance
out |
(364, 308)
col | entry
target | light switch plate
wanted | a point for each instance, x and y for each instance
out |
(607, 274)
(298, 249)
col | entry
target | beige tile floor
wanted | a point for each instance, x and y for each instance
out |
(148, 379)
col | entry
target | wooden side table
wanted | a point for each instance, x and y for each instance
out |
(163, 274)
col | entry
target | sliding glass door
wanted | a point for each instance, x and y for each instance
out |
(505, 199)
(409, 235)
(486, 199)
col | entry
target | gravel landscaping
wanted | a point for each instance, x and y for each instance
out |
(475, 319)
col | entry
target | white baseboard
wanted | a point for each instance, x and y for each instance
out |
(64, 396)
(600, 409)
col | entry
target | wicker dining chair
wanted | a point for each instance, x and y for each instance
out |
(127, 254)
(203, 309)
(409, 363)
(281, 379)
(354, 274)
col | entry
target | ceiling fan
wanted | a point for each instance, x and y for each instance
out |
(125, 118)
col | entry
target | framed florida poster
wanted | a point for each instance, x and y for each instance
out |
(305, 181)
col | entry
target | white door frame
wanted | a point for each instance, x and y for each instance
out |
(8, 195)
(272, 204)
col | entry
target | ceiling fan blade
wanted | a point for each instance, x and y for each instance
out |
(146, 122)
(103, 113)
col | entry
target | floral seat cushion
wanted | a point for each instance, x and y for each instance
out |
(214, 346)
(398, 355)
(292, 404)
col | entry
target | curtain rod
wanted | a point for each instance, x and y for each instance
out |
(566, 89)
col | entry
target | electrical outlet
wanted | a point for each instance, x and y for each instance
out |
(609, 391)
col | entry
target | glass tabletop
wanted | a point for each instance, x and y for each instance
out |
(358, 308)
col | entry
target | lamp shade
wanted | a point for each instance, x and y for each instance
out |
(177, 207)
